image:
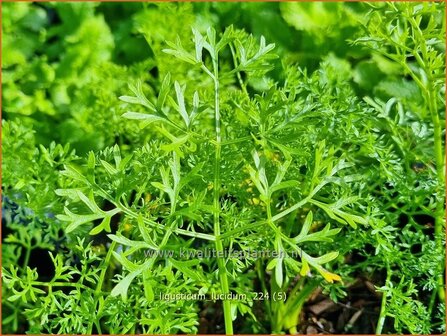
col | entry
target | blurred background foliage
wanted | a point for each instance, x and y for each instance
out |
(64, 65)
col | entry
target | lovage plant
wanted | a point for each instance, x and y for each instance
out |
(221, 170)
(230, 189)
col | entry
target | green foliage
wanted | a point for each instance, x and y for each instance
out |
(132, 145)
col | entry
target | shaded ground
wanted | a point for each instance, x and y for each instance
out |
(357, 313)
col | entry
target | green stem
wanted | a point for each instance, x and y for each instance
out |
(383, 311)
(27, 256)
(439, 218)
(431, 303)
(293, 330)
(105, 267)
(261, 275)
(274, 287)
(295, 289)
(276, 308)
(98, 326)
(295, 303)
(293, 207)
(216, 195)
(98, 289)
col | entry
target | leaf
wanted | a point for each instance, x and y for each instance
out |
(181, 102)
(91, 162)
(105, 225)
(77, 220)
(174, 165)
(122, 287)
(210, 46)
(350, 219)
(181, 54)
(326, 258)
(140, 97)
(162, 187)
(328, 276)
(184, 267)
(257, 62)
(124, 162)
(321, 236)
(164, 91)
(315, 262)
(340, 216)
(109, 168)
(272, 264)
(74, 173)
(117, 156)
(129, 99)
(292, 264)
(198, 41)
(284, 185)
(175, 145)
(305, 269)
(258, 176)
(90, 202)
(120, 239)
(192, 175)
(306, 227)
(227, 37)
(178, 51)
(195, 106)
(69, 193)
(15, 297)
(279, 273)
(144, 231)
(190, 213)
(148, 118)
(126, 263)
(148, 291)
(342, 164)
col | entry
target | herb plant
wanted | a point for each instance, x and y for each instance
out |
(218, 173)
